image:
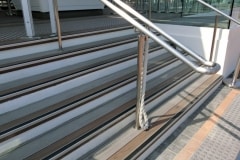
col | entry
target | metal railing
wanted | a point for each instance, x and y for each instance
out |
(206, 67)
(231, 82)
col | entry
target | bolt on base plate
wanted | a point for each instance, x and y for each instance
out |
(229, 83)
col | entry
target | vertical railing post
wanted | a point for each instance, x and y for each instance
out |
(141, 116)
(150, 10)
(139, 78)
(28, 20)
(214, 39)
(234, 82)
(52, 17)
(57, 21)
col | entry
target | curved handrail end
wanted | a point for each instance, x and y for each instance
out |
(209, 63)
(209, 70)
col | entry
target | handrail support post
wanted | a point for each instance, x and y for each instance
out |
(57, 21)
(141, 116)
(214, 38)
(234, 82)
(150, 10)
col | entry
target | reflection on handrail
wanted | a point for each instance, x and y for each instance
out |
(208, 68)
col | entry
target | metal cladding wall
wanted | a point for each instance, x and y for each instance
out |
(69, 5)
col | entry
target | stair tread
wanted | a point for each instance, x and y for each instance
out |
(38, 75)
(70, 96)
(163, 115)
(133, 93)
(37, 56)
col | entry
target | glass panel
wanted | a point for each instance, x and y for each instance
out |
(201, 15)
(184, 12)
(235, 13)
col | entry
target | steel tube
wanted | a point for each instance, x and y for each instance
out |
(57, 24)
(236, 72)
(164, 34)
(234, 82)
(143, 49)
(206, 70)
(145, 63)
(150, 10)
(214, 38)
(139, 78)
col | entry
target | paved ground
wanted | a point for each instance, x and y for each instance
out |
(211, 133)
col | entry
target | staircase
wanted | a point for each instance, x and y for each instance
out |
(79, 102)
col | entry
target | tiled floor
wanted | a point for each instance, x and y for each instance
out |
(211, 133)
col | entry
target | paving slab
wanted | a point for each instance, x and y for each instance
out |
(222, 142)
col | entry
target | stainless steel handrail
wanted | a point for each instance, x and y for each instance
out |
(208, 68)
(230, 82)
(164, 34)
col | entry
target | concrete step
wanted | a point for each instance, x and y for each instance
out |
(82, 105)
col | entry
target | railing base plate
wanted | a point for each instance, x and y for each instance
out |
(229, 83)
